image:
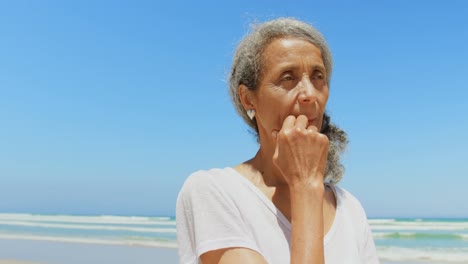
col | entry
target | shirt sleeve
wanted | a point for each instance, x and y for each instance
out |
(365, 240)
(368, 250)
(207, 219)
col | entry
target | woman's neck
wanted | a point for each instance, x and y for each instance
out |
(263, 164)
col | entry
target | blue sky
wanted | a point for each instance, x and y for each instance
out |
(107, 106)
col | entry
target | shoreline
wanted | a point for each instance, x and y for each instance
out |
(24, 251)
(12, 261)
(27, 251)
(88, 241)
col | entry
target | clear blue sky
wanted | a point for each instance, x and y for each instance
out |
(107, 106)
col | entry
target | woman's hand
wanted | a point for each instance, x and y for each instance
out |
(301, 152)
(301, 157)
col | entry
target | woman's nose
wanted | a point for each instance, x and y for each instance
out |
(307, 93)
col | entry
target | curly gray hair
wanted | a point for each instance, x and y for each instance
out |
(247, 68)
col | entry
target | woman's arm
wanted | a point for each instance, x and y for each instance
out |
(306, 233)
(307, 224)
(301, 156)
(232, 256)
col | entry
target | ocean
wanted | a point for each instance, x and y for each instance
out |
(404, 240)
(435, 240)
(105, 229)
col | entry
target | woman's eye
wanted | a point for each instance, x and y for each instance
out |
(287, 78)
(288, 81)
(318, 75)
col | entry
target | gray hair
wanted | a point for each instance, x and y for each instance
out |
(247, 68)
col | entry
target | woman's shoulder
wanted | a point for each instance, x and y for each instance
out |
(344, 194)
(206, 177)
(204, 182)
(348, 201)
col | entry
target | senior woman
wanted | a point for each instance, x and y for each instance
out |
(283, 205)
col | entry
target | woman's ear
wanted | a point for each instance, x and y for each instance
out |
(246, 97)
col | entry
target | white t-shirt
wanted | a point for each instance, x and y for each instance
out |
(220, 208)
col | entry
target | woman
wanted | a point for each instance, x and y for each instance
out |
(281, 206)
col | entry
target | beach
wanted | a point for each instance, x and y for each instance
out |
(23, 251)
(70, 239)
(11, 261)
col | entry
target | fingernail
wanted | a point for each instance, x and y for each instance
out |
(274, 133)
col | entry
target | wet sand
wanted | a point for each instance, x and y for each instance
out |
(19, 251)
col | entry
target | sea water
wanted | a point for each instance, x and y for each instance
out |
(421, 240)
(399, 240)
(105, 229)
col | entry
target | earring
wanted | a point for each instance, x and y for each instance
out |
(251, 113)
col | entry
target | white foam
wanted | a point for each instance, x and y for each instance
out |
(128, 242)
(89, 227)
(412, 225)
(446, 228)
(451, 255)
(104, 219)
(381, 221)
(386, 234)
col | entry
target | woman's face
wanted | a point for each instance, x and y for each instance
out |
(293, 82)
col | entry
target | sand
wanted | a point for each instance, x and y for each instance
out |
(8, 261)
(18, 251)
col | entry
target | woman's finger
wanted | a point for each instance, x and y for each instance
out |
(312, 128)
(289, 122)
(302, 121)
